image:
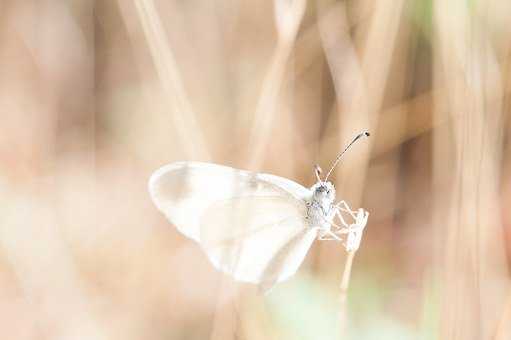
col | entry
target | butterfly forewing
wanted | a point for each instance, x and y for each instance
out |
(184, 190)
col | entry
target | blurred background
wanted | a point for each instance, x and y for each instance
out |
(96, 95)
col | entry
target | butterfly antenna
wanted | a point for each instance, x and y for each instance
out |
(360, 135)
(317, 172)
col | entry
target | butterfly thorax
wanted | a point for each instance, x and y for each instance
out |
(320, 208)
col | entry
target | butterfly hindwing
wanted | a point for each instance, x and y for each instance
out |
(261, 239)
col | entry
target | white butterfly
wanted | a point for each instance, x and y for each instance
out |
(256, 227)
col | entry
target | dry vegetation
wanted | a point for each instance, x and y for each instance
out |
(94, 96)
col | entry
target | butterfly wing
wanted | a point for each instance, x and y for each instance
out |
(184, 190)
(251, 225)
(261, 239)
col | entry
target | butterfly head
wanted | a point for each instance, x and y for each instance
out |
(323, 192)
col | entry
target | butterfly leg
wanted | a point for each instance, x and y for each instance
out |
(341, 218)
(343, 206)
(344, 228)
(336, 234)
(339, 229)
(329, 236)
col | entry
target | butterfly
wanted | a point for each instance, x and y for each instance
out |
(256, 227)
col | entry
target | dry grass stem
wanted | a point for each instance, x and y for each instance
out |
(184, 119)
(288, 17)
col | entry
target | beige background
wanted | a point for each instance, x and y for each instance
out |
(94, 96)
